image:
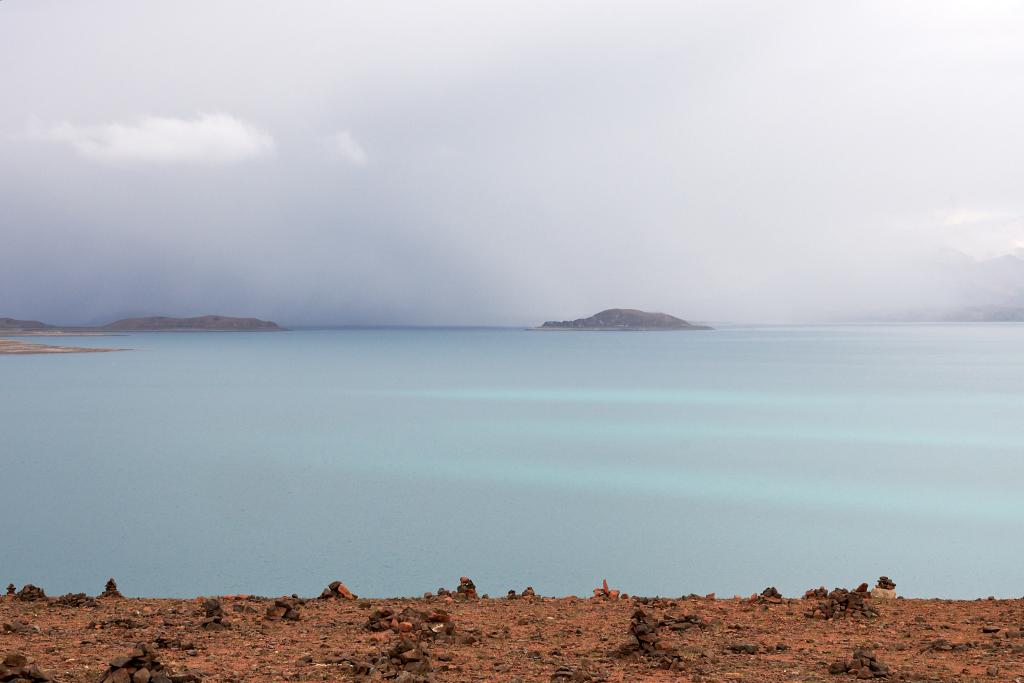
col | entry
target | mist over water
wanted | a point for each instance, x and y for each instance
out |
(506, 163)
(398, 460)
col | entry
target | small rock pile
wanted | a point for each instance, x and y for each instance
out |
(405, 662)
(110, 590)
(769, 595)
(645, 630)
(142, 666)
(214, 615)
(843, 603)
(565, 674)
(683, 623)
(885, 589)
(863, 665)
(11, 589)
(30, 593)
(285, 608)
(605, 593)
(336, 589)
(466, 589)
(19, 626)
(528, 592)
(420, 624)
(816, 593)
(75, 600)
(17, 668)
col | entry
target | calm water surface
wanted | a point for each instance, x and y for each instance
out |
(397, 460)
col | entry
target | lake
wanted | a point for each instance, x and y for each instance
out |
(397, 460)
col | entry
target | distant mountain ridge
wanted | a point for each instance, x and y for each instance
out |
(203, 322)
(23, 325)
(624, 319)
(222, 323)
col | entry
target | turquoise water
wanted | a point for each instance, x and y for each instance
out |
(397, 460)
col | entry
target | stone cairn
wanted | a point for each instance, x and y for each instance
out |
(863, 665)
(645, 630)
(528, 592)
(605, 593)
(466, 589)
(110, 590)
(816, 593)
(419, 624)
(30, 593)
(11, 589)
(843, 603)
(17, 668)
(769, 595)
(885, 589)
(142, 666)
(338, 590)
(213, 619)
(407, 661)
(285, 608)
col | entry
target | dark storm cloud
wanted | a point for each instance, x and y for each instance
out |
(503, 163)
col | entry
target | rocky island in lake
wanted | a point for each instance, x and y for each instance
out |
(628, 319)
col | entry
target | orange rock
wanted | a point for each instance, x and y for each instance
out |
(405, 626)
(613, 594)
(344, 592)
(604, 586)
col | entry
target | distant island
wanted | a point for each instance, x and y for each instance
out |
(625, 319)
(204, 323)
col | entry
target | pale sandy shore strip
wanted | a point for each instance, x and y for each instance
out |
(14, 347)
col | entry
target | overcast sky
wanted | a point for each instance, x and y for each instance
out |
(506, 163)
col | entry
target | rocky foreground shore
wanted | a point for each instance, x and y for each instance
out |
(459, 635)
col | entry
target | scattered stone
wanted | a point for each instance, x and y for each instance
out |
(110, 590)
(338, 590)
(141, 666)
(606, 593)
(17, 668)
(214, 615)
(285, 608)
(30, 593)
(843, 603)
(466, 589)
(863, 665)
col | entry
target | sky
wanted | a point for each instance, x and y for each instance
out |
(506, 163)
